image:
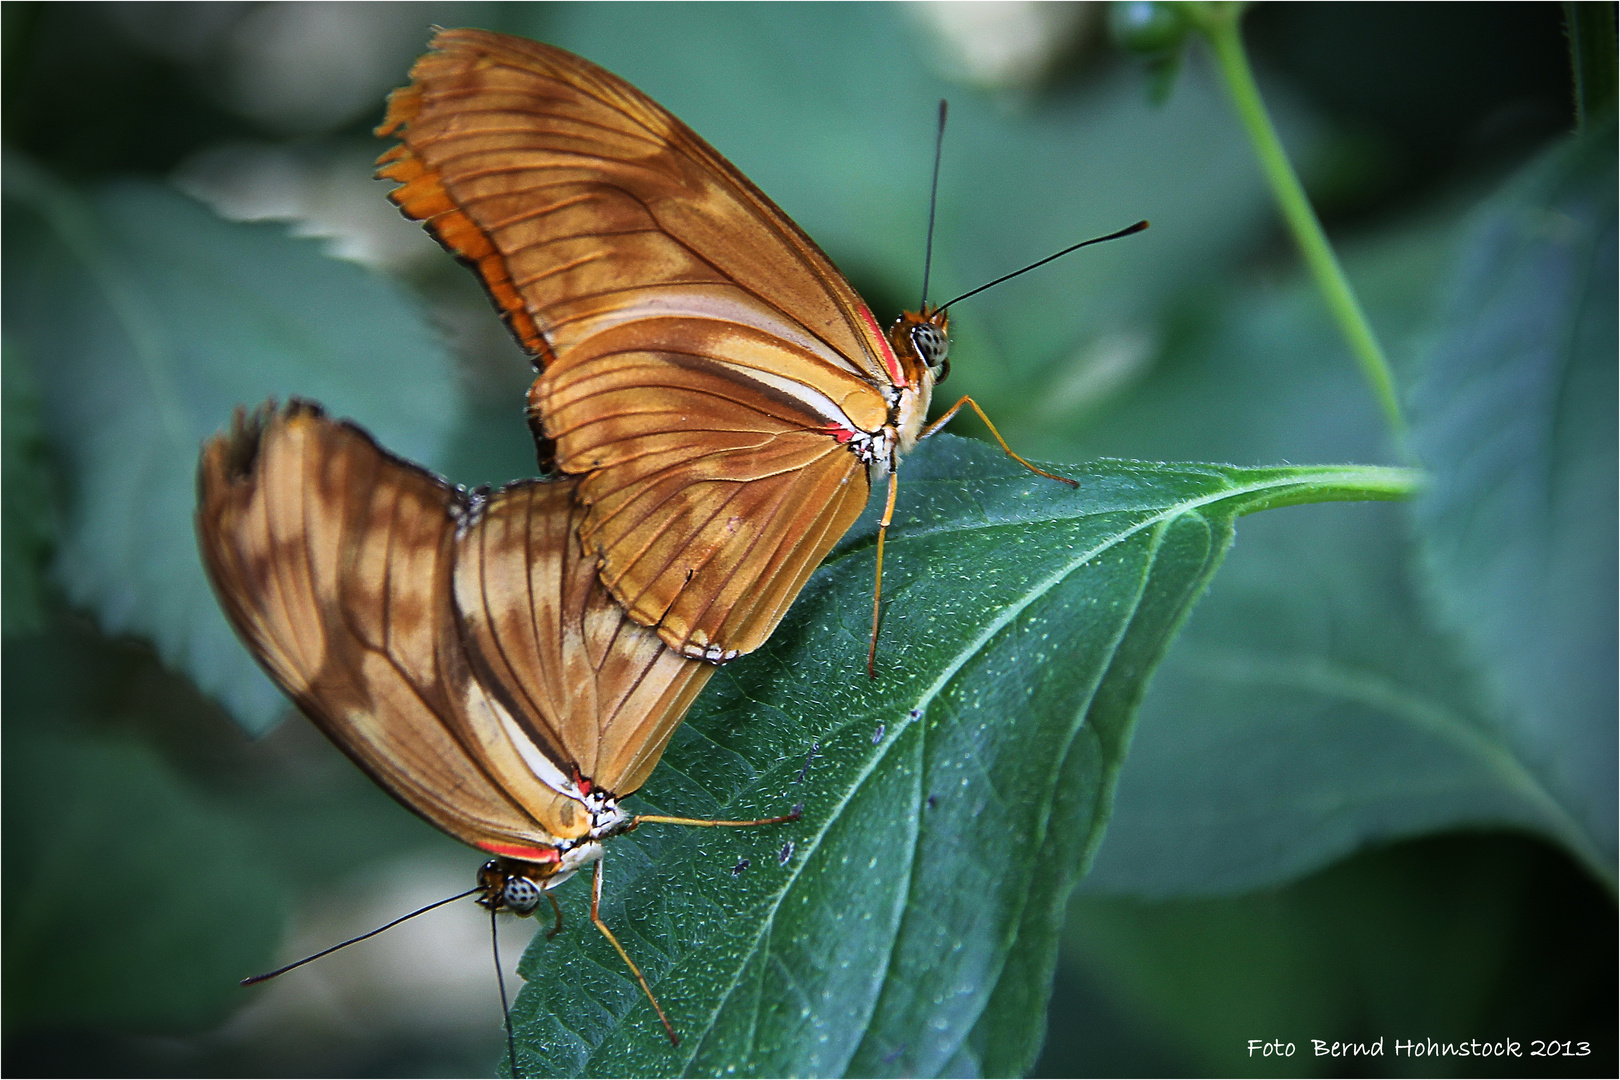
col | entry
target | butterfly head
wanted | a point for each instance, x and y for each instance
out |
(509, 891)
(517, 885)
(507, 885)
(922, 340)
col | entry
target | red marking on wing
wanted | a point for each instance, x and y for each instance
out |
(581, 782)
(889, 359)
(839, 432)
(527, 854)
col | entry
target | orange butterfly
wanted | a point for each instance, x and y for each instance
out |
(458, 646)
(722, 392)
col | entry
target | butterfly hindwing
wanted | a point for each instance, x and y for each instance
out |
(539, 624)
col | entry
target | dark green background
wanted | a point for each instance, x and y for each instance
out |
(132, 802)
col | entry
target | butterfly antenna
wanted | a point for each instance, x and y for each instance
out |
(933, 201)
(253, 979)
(500, 981)
(1128, 230)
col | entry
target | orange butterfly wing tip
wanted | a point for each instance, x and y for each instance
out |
(422, 197)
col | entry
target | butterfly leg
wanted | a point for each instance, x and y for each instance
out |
(662, 819)
(557, 909)
(596, 903)
(943, 420)
(883, 533)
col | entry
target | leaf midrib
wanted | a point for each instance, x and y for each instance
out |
(1081, 711)
(1365, 481)
(973, 648)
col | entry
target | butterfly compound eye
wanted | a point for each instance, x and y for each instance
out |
(520, 895)
(932, 347)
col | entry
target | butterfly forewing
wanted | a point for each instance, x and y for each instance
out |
(704, 365)
(341, 567)
(286, 500)
(584, 186)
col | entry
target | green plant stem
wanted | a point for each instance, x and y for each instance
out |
(1219, 23)
(1592, 59)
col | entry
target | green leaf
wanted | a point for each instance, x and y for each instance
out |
(948, 806)
(1515, 414)
(147, 320)
(1315, 703)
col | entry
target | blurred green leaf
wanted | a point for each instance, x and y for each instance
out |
(130, 902)
(231, 836)
(1515, 414)
(29, 501)
(908, 924)
(147, 320)
(1157, 34)
(1315, 703)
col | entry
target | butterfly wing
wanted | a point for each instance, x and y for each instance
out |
(704, 365)
(333, 562)
(338, 564)
(565, 662)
